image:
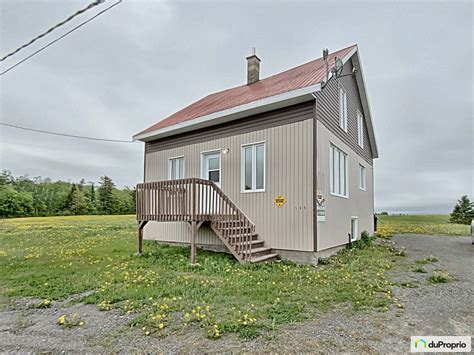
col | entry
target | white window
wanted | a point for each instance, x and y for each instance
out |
(360, 129)
(338, 172)
(343, 109)
(253, 167)
(354, 229)
(176, 168)
(361, 177)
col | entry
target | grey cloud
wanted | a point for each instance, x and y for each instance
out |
(144, 60)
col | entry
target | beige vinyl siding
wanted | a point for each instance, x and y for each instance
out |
(334, 230)
(339, 210)
(289, 172)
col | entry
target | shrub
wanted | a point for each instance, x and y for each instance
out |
(364, 241)
(324, 261)
(420, 269)
(439, 277)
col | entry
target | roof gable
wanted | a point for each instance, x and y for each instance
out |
(299, 77)
(283, 89)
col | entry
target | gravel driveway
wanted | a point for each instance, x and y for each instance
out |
(424, 309)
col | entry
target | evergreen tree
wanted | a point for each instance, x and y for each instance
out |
(93, 194)
(69, 198)
(463, 212)
(89, 195)
(106, 200)
(78, 203)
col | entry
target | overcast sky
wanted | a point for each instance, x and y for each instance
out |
(144, 60)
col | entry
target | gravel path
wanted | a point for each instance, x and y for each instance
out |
(427, 309)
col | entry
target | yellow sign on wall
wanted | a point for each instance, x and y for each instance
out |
(279, 201)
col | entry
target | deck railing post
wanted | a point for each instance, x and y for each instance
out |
(193, 242)
(193, 184)
(139, 239)
(193, 225)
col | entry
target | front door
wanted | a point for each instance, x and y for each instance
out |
(211, 170)
(211, 167)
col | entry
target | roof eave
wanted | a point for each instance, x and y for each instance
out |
(365, 103)
(267, 104)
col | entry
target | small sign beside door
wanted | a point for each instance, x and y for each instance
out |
(321, 213)
(279, 201)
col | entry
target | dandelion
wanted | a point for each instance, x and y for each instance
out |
(161, 326)
(62, 320)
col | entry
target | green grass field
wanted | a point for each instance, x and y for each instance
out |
(53, 258)
(420, 224)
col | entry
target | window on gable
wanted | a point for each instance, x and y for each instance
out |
(361, 177)
(253, 167)
(360, 129)
(176, 168)
(343, 109)
(338, 172)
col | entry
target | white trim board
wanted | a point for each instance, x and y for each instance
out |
(267, 104)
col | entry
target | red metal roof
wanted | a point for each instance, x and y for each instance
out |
(299, 77)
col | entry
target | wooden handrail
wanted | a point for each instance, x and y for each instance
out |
(197, 200)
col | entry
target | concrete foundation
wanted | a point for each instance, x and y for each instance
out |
(297, 256)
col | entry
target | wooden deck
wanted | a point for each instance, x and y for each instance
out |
(196, 201)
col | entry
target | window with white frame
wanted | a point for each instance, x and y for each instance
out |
(253, 167)
(361, 177)
(343, 108)
(338, 172)
(176, 168)
(360, 129)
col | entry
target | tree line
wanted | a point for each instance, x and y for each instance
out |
(24, 196)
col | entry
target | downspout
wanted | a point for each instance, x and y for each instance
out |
(315, 174)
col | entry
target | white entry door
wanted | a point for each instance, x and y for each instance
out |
(211, 170)
(211, 167)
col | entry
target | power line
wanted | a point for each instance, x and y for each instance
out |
(65, 134)
(61, 37)
(77, 13)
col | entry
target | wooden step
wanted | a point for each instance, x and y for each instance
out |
(234, 238)
(267, 258)
(236, 229)
(256, 243)
(258, 251)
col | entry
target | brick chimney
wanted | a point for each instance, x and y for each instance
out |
(253, 68)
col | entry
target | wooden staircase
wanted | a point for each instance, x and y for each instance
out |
(197, 201)
(242, 243)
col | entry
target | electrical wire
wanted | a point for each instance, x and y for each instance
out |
(66, 135)
(77, 13)
(60, 37)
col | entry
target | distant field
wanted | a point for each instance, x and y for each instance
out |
(420, 224)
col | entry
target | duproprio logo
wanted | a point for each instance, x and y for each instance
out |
(419, 343)
(445, 344)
